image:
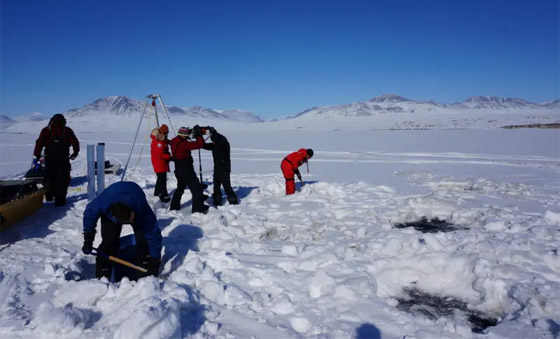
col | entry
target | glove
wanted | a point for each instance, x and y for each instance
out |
(88, 242)
(74, 156)
(197, 131)
(153, 266)
(35, 163)
(212, 130)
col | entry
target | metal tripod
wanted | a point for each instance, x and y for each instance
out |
(154, 98)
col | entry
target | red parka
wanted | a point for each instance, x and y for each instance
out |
(290, 165)
(160, 154)
(296, 159)
(182, 147)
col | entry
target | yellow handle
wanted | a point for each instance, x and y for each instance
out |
(126, 263)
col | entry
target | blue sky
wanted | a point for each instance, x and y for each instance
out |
(274, 58)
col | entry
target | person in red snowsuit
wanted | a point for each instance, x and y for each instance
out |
(160, 160)
(184, 171)
(56, 138)
(290, 166)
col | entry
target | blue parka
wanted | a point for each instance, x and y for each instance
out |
(130, 194)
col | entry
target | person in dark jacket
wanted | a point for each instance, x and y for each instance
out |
(123, 202)
(160, 160)
(290, 167)
(57, 138)
(181, 149)
(222, 167)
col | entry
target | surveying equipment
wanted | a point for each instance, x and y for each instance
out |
(154, 98)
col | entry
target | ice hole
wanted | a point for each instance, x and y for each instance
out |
(434, 225)
(434, 307)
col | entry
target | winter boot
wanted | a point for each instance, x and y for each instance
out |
(217, 199)
(233, 200)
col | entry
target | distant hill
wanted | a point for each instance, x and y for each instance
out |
(128, 107)
(395, 104)
(6, 121)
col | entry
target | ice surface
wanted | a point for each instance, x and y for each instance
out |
(325, 262)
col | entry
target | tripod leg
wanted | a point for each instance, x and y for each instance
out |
(136, 136)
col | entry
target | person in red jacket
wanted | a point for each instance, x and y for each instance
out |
(56, 138)
(181, 149)
(290, 166)
(160, 160)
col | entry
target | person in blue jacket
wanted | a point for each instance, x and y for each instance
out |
(121, 203)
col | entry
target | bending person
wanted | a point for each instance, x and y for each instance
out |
(123, 202)
(290, 166)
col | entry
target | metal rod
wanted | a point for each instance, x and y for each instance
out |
(155, 111)
(200, 165)
(136, 136)
(167, 115)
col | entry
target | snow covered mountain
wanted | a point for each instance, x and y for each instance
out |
(129, 107)
(6, 121)
(117, 105)
(486, 102)
(241, 115)
(34, 116)
(392, 103)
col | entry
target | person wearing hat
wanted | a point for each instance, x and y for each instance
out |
(160, 160)
(181, 148)
(222, 167)
(56, 139)
(290, 166)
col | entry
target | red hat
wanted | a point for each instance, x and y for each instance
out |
(164, 129)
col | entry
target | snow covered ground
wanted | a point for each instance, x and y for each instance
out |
(326, 262)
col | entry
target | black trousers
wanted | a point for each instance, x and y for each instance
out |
(110, 237)
(186, 176)
(222, 178)
(161, 185)
(57, 179)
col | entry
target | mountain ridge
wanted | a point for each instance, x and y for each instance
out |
(128, 107)
(393, 103)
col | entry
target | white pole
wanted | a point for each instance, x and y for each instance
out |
(91, 172)
(100, 167)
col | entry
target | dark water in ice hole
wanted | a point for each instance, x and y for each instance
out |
(431, 226)
(434, 307)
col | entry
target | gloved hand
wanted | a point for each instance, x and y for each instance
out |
(88, 242)
(74, 156)
(212, 130)
(197, 131)
(153, 266)
(35, 163)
